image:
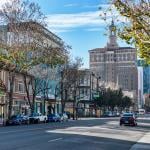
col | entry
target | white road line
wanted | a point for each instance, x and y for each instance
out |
(53, 140)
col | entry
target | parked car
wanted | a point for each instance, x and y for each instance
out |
(128, 119)
(54, 118)
(64, 117)
(141, 111)
(37, 118)
(18, 120)
(108, 114)
(116, 114)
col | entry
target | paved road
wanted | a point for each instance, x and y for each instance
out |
(87, 134)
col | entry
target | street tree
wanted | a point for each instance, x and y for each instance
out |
(132, 18)
(126, 102)
(70, 77)
(109, 99)
(137, 30)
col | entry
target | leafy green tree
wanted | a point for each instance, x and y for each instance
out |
(137, 31)
(113, 98)
(126, 102)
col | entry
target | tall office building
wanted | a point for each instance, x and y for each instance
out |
(115, 65)
(146, 78)
(144, 82)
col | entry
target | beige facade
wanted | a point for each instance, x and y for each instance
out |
(115, 65)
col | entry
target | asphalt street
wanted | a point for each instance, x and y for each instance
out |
(85, 134)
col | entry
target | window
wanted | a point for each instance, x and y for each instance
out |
(30, 89)
(20, 87)
(82, 91)
(82, 80)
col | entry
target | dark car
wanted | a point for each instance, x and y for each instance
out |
(54, 118)
(18, 120)
(128, 119)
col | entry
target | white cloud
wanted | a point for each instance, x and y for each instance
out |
(70, 21)
(91, 19)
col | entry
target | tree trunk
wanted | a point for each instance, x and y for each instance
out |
(74, 105)
(27, 89)
(64, 101)
(10, 94)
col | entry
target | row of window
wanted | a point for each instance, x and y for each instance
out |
(19, 87)
(111, 57)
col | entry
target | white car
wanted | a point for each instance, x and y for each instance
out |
(64, 117)
(141, 111)
(37, 118)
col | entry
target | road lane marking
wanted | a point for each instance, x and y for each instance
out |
(53, 140)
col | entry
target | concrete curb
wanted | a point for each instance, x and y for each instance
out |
(143, 143)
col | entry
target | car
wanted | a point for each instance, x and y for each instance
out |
(116, 114)
(54, 117)
(141, 111)
(18, 120)
(64, 117)
(128, 119)
(37, 118)
(108, 114)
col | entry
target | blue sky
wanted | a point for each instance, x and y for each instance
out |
(78, 23)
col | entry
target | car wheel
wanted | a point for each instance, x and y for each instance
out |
(44, 120)
(38, 121)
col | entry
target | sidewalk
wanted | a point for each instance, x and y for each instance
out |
(143, 143)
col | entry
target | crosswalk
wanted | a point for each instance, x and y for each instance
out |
(111, 129)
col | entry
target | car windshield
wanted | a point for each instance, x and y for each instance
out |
(127, 115)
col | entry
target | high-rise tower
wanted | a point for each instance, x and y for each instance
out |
(116, 65)
(112, 36)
